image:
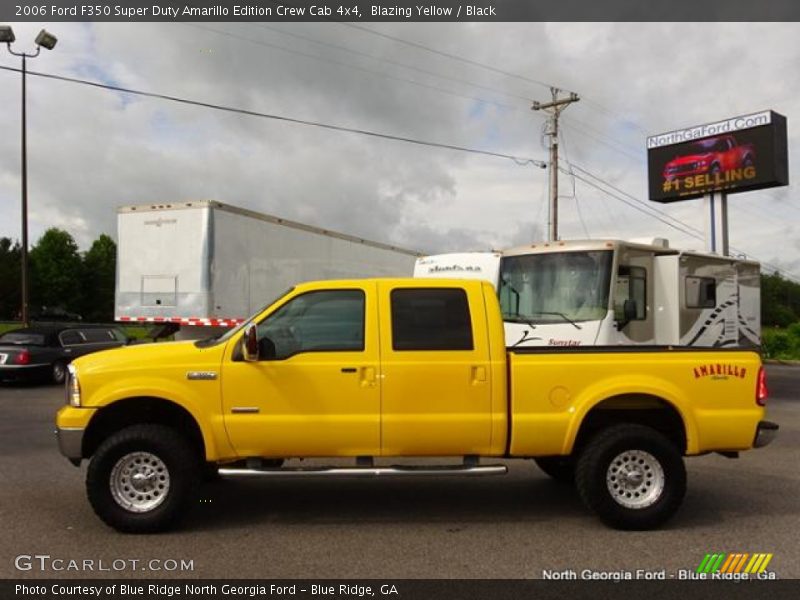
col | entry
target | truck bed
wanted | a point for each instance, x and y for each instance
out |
(712, 391)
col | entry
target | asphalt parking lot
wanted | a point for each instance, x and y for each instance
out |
(514, 526)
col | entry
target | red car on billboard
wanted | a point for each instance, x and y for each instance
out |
(710, 155)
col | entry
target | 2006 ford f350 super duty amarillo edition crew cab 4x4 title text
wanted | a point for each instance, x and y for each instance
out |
(401, 368)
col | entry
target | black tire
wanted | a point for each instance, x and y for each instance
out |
(560, 468)
(169, 466)
(647, 493)
(210, 472)
(58, 372)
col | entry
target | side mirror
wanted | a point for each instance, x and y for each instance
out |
(629, 309)
(250, 344)
(266, 349)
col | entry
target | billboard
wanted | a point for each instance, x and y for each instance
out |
(735, 155)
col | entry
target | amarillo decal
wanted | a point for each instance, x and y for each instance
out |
(719, 371)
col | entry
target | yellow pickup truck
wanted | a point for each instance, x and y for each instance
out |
(382, 368)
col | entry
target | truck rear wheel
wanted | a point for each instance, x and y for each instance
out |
(560, 468)
(631, 476)
(142, 478)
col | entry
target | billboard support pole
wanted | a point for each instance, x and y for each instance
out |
(716, 209)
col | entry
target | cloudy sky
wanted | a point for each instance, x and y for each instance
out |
(91, 150)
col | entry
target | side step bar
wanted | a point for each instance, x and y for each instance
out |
(392, 471)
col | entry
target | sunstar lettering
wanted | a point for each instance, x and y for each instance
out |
(719, 369)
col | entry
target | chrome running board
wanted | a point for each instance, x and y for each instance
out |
(392, 471)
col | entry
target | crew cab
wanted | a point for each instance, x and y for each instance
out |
(711, 155)
(379, 369)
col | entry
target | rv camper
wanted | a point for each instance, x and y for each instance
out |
(614, 292)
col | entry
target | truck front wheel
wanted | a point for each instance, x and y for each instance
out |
(632, 476)
(142, 478)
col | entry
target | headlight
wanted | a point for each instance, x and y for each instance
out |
(73, 387)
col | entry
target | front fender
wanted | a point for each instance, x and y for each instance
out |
(201, 399)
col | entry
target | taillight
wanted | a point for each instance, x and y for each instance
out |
(23, 358)
(761, 387)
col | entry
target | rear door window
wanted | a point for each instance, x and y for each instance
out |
(431, 319)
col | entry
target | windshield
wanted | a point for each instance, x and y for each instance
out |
(231, 332)
(555, 288)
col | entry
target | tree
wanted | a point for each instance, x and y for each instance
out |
(99, 274)
(56, 272)
(10, 286)
(780, 301)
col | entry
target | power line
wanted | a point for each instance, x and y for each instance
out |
(573, 122)
(637, 200)
(519, 160)
(346, 65)
(397, 64)
(462, 59)
(574, 186)
(611, 143)
(598, 106)
(633, 205)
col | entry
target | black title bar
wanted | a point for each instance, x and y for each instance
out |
(384, 589)
(398, 10)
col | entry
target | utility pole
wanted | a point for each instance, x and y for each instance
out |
(554, 107)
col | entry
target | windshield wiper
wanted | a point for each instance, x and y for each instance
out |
(562, 315)
(519, 319)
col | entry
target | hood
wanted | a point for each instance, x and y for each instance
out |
(149, 356)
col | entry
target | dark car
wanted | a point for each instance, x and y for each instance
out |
(43, 351)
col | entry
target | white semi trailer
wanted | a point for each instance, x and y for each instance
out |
(206, 265)
(613, 292)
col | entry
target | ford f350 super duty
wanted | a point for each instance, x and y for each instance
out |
(379, 369)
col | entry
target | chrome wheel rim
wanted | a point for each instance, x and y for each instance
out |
(635, 479)
(59, 372)
(139, 482)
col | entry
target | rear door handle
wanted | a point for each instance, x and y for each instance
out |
(368, 377)
(478, 375)
(349, 369)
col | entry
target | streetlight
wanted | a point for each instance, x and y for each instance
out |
(48, 41)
